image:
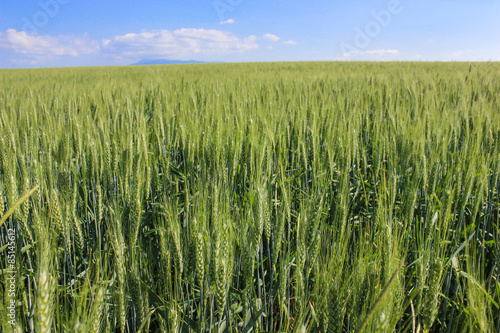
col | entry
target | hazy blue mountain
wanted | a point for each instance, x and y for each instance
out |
(165, 62)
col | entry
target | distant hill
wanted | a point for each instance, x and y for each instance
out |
(165, 62)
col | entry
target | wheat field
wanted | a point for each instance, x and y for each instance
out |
(263, 197)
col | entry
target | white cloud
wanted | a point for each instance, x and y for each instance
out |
(290, 42)
(379, 53)
(457, 54)
(230, 21)
(46, 47)
(182, 43)
(271, 37)
(178, 43)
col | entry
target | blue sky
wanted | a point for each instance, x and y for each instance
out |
(53, 33)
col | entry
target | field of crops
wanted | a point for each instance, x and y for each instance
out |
(308, 197)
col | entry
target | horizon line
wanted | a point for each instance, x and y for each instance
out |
(202, 62)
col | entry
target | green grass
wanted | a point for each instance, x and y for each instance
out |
(318, 197)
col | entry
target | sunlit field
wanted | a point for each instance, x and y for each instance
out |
(292, 197)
